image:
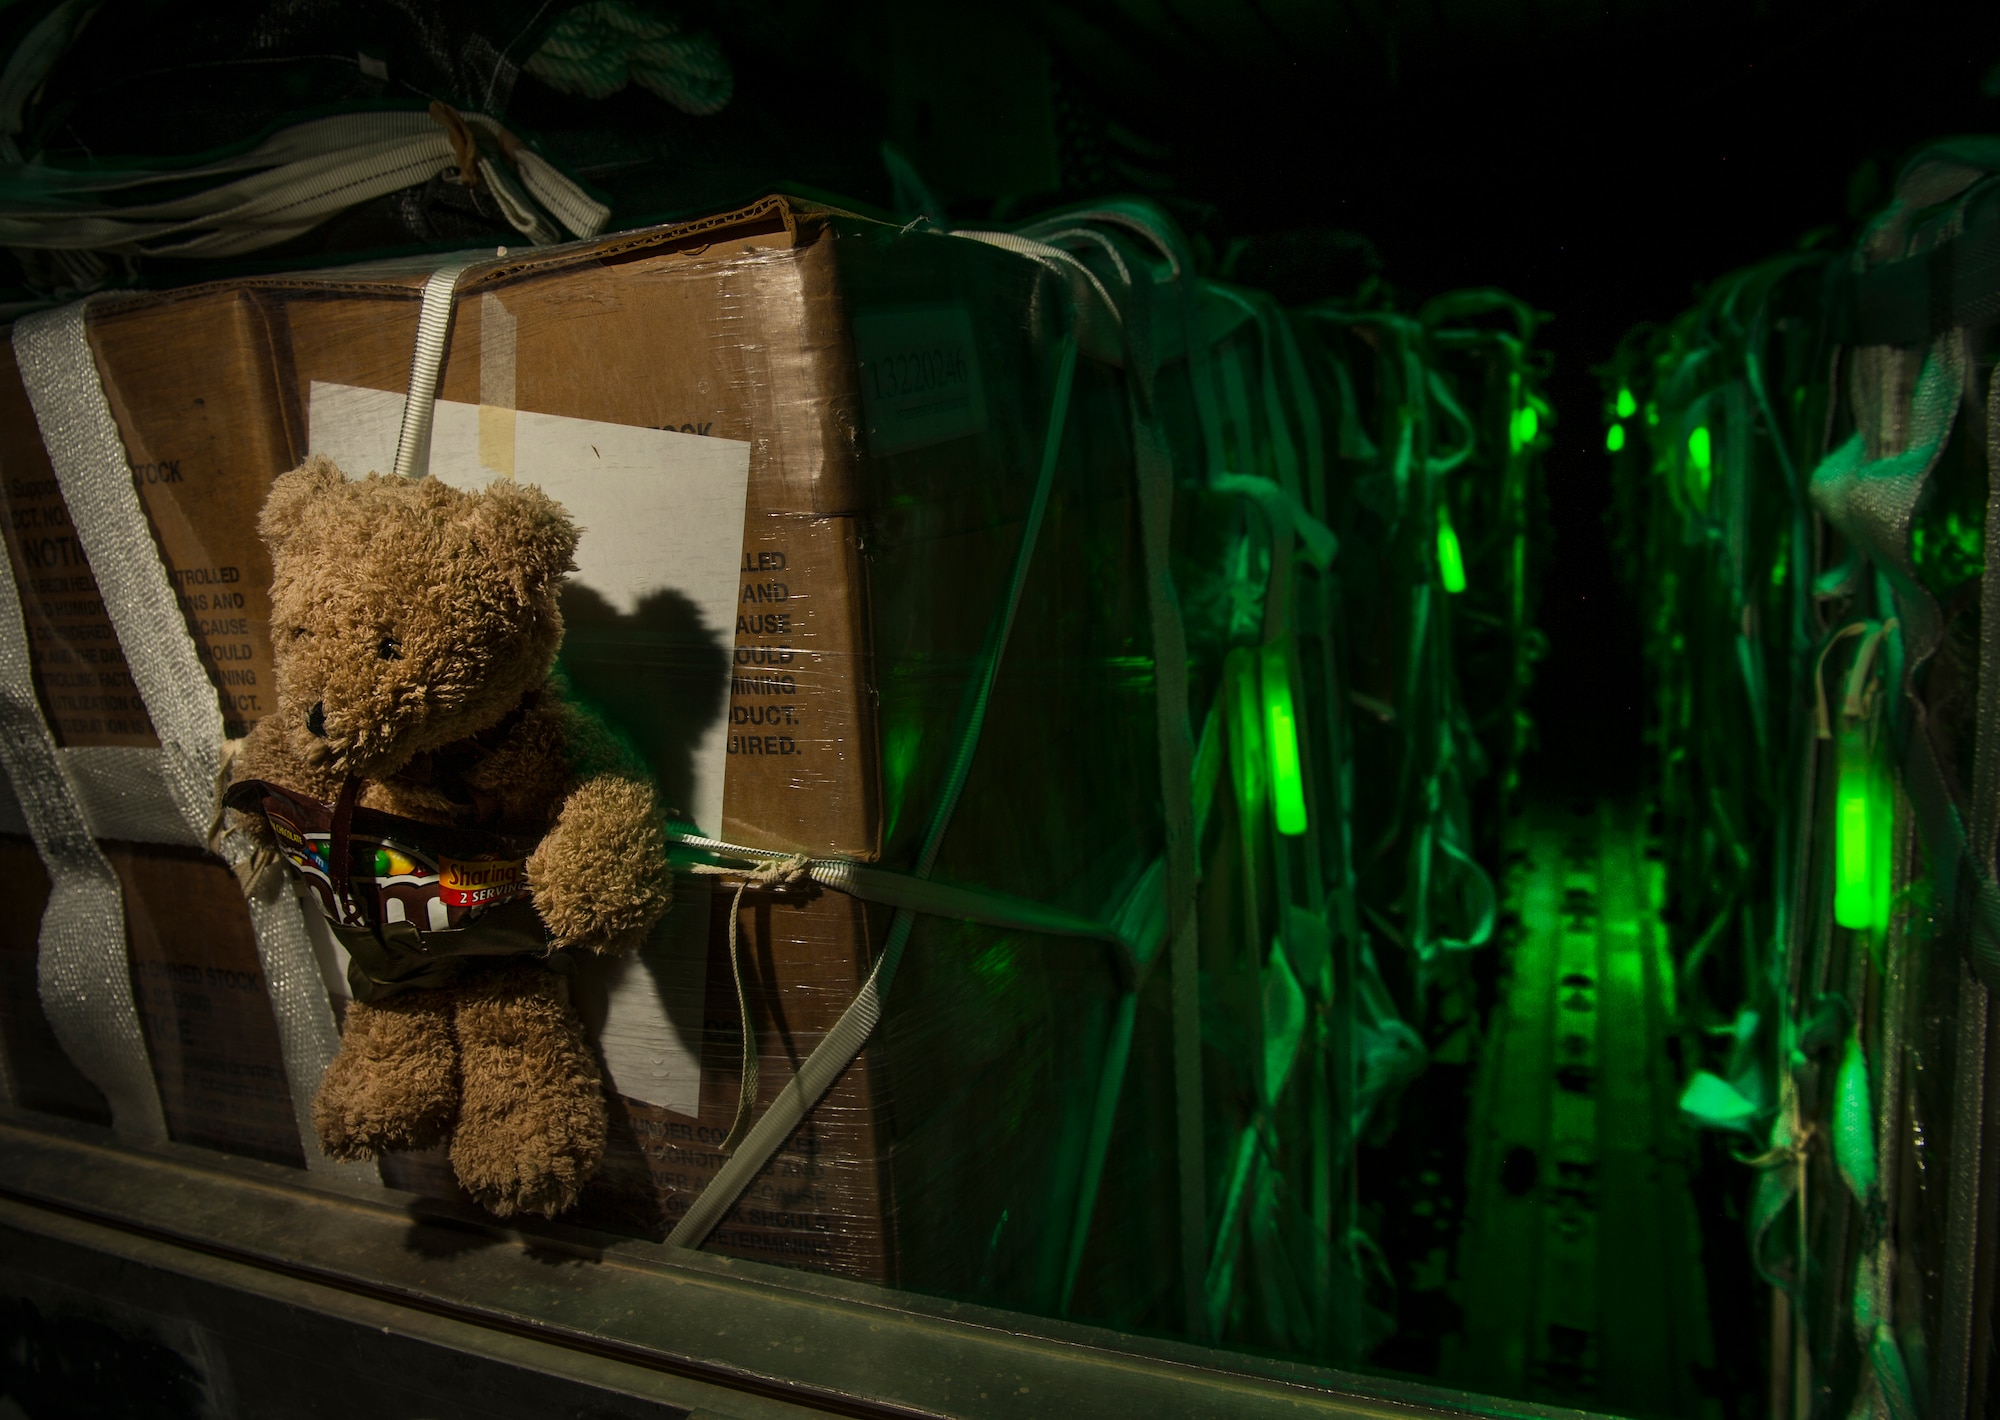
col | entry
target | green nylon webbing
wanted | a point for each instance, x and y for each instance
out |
(924, 896)
(839, 1047)
(1971, 1166)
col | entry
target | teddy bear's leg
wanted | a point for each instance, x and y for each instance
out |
(395, 1081)
(531, 1116)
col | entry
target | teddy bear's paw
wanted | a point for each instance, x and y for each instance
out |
(395, 1082)
(531, 1118)
(600, 878)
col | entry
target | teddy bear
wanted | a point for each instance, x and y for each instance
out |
(465, 825)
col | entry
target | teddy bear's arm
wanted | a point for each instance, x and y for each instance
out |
(600, 877)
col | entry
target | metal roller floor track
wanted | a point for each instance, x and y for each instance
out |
(1580, 1258)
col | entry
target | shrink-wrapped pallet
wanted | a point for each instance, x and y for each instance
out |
(803, 448)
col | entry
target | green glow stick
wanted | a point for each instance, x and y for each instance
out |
(1700, 455)
(1614, 438)
(1627, 406)
(1881, 837)
(1451, 559)
(1527, 424)
(1862, 821)
(1281, 738)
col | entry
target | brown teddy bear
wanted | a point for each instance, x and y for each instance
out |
(461, 823)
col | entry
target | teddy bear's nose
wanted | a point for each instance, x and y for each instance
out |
(316, 719)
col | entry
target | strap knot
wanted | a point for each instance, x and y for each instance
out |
(464, 146)
(773, 874)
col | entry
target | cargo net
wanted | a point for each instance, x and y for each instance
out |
(1804, 467)
(1118, 722)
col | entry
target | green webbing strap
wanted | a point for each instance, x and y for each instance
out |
(1971, 1165)
(1874, 1293)
(1153, 226)
(30, 64)
(1284, 510)
(1153, 459)
(838, 1049)
(1871, 502)
(1246, 1165)
(1785, 1164)
(1441, 395)
(1910, 302)
(1986, 754)
(1153, 465)
(1312, 433)
(907, 892)
(1854, 1121)
(1143, 922)
(1176, 751)
(1872, 505)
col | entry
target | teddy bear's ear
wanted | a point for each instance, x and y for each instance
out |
(293, 494)
(526, 532)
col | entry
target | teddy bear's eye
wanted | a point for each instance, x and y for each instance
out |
(390, 650)
(299, 633)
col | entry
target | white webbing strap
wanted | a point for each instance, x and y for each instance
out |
(297, 178)
(569, 204)
(841, 1045)
(413, 445)
(89, 458)
(84, 977)
(123, 794)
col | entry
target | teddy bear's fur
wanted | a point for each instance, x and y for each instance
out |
(410, 617)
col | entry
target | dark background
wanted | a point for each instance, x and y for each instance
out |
(1602, 161)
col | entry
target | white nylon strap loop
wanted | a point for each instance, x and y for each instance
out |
(413, 447)
(89, 458)
(583, 215)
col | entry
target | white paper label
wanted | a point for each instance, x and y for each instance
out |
(920, 379)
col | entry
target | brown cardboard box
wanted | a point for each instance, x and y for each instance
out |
(893, 390)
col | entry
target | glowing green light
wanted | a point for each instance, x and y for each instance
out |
(1863, 822)
(1652, 413)
(1527, 424)
(1627, 406)
(1614, 438)
(1699, 448)
(1281, 738)
(1451, 558)
(900, 743)
(1853, 904)
(1700, 455)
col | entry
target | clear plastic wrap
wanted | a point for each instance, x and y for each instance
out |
(1031, 1119)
